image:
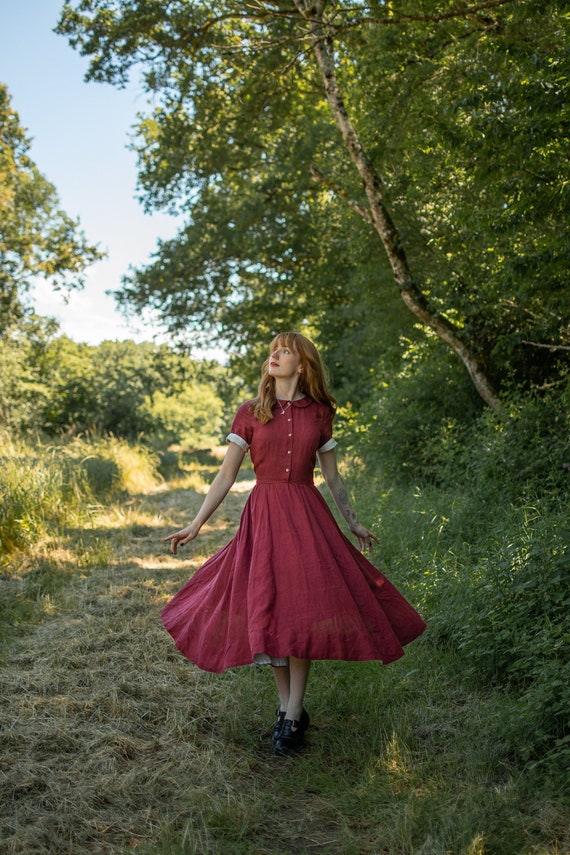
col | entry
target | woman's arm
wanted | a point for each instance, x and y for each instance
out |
(327, 462)
(217, 492)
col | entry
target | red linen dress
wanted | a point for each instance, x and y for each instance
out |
(289, 583)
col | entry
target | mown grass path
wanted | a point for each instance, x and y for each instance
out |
(112, 743)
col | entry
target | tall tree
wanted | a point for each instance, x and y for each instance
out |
(36, 237)
(246, 94)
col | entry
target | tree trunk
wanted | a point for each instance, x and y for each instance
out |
(415, 300)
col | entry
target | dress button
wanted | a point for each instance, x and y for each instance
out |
(286, 470)
(288, 452)
(290, 434)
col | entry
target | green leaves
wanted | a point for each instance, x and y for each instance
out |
(36, 236)
(461, 112)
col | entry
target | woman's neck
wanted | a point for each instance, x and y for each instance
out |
(288, 391)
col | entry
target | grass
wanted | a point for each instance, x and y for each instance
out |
(113, 743)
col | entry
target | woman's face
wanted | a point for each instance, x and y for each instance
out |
(284, 363)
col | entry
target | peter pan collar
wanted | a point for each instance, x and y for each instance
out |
(302, 402)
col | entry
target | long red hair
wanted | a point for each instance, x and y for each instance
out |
(313, 380)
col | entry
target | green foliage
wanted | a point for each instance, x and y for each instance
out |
(112, 465)
(475, 164)
(518, 632)
(54, 386)
(36, 236)
(477, 528)
(24, 388)
(43, 487)
(36, 494)
(464, 117)
(101, 387)
(416, 420)
(194, 418)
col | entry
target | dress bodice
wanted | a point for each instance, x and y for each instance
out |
(285, 448)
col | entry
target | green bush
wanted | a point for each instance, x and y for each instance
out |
(192, 418)
(34, 494)
(504, 603)
(414, 425)
(111, 465)
(40, 487)
(478, 536)
(102, 474)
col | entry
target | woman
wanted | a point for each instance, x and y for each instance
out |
(289, 587)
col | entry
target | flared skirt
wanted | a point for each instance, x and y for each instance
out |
(289, 583)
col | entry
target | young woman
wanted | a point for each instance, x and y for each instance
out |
(289, 587)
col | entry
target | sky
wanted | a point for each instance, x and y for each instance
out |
(80, 132)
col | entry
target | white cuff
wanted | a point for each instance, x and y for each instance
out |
(234, 437)
(328, 446)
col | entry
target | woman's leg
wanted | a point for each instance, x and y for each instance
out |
(282, 679)
(289, 735)
(298, 676)
(291, 680)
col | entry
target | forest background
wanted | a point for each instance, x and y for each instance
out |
(390, 179)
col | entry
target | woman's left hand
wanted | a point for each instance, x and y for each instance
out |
(364, 537)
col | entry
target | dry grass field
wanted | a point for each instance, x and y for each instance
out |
(111, 742)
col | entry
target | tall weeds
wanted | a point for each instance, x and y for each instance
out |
(476, 529)
(41, 486)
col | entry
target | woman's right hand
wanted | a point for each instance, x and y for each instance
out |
(182, 537)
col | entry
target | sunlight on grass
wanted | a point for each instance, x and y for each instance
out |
(396, 760)
(125, 516)
(111, 738)
(477, 846)
(243, 486)
(170, 562)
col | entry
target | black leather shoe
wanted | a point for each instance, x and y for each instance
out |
(292, 736)
(280, 718)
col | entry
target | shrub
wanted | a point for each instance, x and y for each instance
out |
(505, 606)
(34, 494)
(192, 418)
(41, 486)
(415, 424)
(480, 539)
(112, 465)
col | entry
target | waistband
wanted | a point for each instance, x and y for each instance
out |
(278, 481)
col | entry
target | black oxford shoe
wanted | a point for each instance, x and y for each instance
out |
(292, 736)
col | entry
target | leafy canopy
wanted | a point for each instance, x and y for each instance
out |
(36, 237)
(462, 110)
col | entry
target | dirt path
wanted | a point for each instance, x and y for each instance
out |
(109, 737)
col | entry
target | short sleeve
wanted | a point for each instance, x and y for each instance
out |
(242, 427)
(326, 442)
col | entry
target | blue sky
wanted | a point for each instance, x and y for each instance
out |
(80, 132)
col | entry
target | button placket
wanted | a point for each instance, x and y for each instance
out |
(289, 442)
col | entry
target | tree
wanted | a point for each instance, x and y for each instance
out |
(24, 388)
(36, 237)
(245, 97)
(131, 390)
(193, 419)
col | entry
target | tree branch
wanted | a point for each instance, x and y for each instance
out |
(322, 43)
(461, 11)
(547, 346)
(341, 193)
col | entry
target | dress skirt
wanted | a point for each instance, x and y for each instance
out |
(289, 583)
